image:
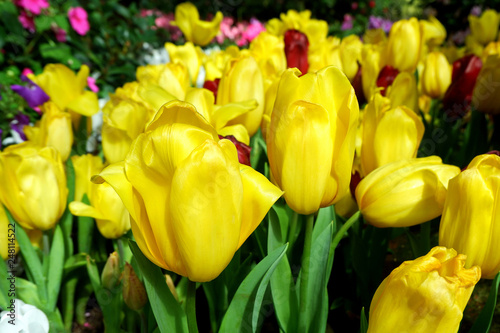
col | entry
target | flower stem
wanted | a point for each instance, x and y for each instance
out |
(344, 228)
(304, 274)
(191, 307)
(121, 253)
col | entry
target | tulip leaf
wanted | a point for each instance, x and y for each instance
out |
(363, 322)
(4, 285)
(282, 286)
(33, 264)
(56, 266)
(483, 322)
(168, 312)
(66, 221)
(85, 229)
(244, 309)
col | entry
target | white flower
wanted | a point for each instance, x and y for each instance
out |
(23, 318)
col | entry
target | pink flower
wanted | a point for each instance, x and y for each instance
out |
(34, 6)
(78, 19)
(91, 84)
(26, 71)
(253, 30)
(27, 21)
(347, 24)
(60, 34)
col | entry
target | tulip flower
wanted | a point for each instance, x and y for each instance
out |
(433, 32)
(484, 29)
(172, 77)
(243, 149)
(192, 205)
(486, 94)
(372, 61)
(436, 77)
(428, 294)
(268, 51)
(195, 30)
(404, 44)
(457, 98)
(190, 56)
(405, 193)
(389, 134)
(470, 221)
(350, 54)
(403, 91)
(386, 77)
(242, 81)
(296, 49)
(106, 207)
(67, 89)
(311, 138)
(33, 185)
(54, 130)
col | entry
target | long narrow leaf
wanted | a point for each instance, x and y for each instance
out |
(168, 313)
(483, 322)
(56, 266)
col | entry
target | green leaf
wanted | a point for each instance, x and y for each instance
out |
(243, 311)
(4, 286)
(42, 23)
(483, 322)
(85, 230)
(28, 292)
(56, 266)
(62, 22)
(168, 313)
(66, 221)
(60, 52)
(364, 322)
(74, 262)
(282, 286)
(30, 256)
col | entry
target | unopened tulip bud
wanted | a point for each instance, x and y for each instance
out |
(296, 49)
(134, 293)
(111, 272)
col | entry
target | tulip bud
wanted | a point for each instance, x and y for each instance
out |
(457, 98)
(311, 138)
(110, 275)
(33, 185)
(436, 77)
(470, 218)
(134, 293)
(486, 95)
(403, 46)
(296, 49)
(405, 193)
(484, 29)
(428, 294)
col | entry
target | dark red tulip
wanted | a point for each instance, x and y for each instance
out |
(357, 84)
(355, 179)
(296, 49)
(386, 77)
(458, 97)
(243, 149)
(213, 86)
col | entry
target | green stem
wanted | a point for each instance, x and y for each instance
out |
(144, 321)
(191, 307)
(344, 228)
(121, 253)
(293, 229)
(46, 244)
(304, 273)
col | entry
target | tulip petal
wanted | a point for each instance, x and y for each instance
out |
(206, 205)
(154, 95)
(259, 194)
(238, 131)
(80, 209)
(225, 113)
(85, 104)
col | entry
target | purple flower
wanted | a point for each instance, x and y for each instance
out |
(32, 93)
(18, 123)
(347, 23)
(376, 22)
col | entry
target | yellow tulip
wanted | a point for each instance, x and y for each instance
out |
(186, 54)
(470, 222)
(405, 193)
(242, 81)
(33, 185)
(269, 52)
(192, 205)
(327, 53)
(486, 94)
(403, 45)
(372, 61)
(195, 30)
(436, 76)
(428, 294)
(67, 90)
(216, 62)
(123, 121)
(350, 54)
(310, 141)
(9, 246)
(433, 32)
(389, 134)
(172, 77)
(105, 206)
(490, 49)
(374, 36)
(315, 30)
(403, 91)
(220, 115)
(54, 130)
(484, 29)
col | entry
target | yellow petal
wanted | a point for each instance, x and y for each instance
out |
(238, 131)
(85, 104)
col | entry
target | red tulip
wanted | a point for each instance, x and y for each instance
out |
(212, 86)
(458, 97)
(243, 149)
(386, 77)
(296, 49)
